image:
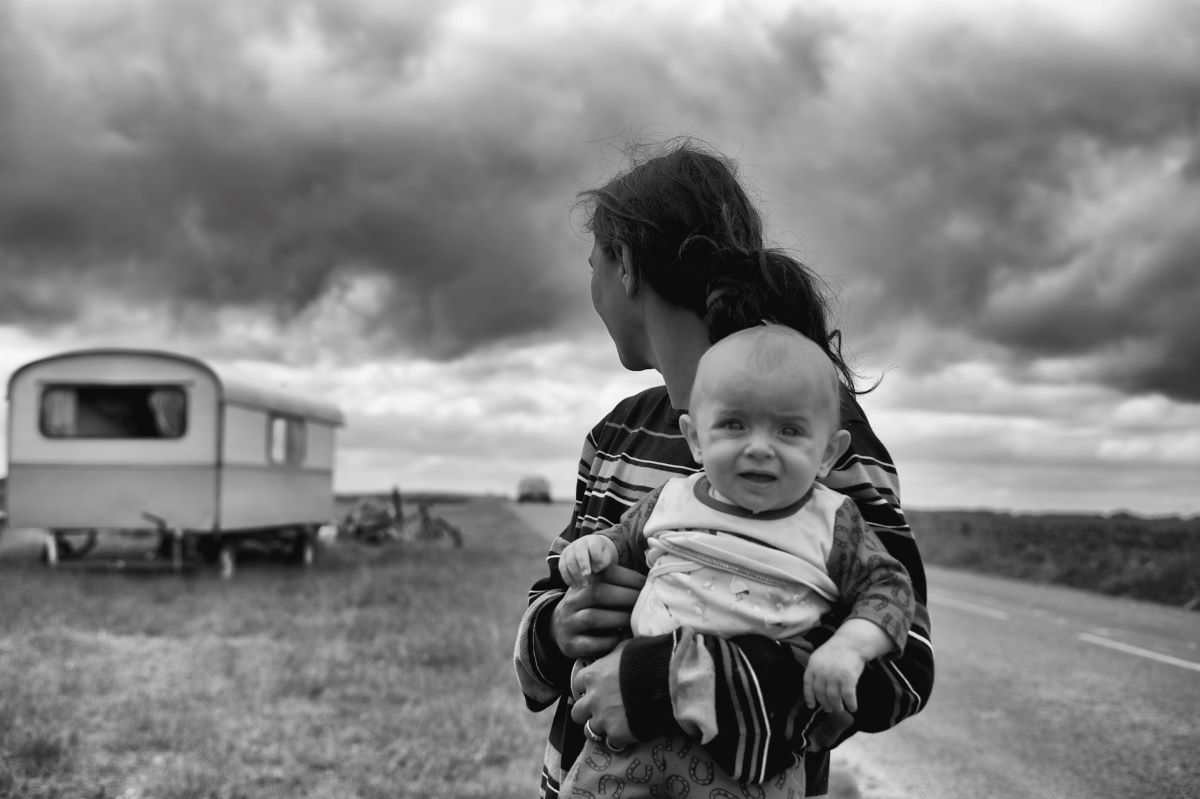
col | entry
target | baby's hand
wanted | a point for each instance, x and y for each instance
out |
(831, 678)
(584, 557)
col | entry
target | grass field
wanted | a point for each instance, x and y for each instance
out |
(382, 672)
(1157, 560)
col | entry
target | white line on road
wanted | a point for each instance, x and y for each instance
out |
(982, 610)
(1137, 650)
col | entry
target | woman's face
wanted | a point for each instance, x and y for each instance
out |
(616, 308)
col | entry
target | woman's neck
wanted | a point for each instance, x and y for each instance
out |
(677, 339)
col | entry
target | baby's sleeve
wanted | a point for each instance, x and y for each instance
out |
(874, 585)
(629, 535)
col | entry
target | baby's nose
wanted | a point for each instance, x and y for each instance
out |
(759, 446)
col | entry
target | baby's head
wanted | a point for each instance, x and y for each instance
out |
(764, 417)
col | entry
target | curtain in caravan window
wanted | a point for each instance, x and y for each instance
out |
(169, 407)
(297, 442)
(59, 411)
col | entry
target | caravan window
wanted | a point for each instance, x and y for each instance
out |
(106, 411)
(288, 440)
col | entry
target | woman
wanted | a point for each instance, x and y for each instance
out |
(678, 263)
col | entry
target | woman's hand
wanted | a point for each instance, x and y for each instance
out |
(592, 619)
(598, 686)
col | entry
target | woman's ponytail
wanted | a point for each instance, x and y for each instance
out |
(696, 238)
(748, 288)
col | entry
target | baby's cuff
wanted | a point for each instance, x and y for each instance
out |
(645, 686)
(553, 667)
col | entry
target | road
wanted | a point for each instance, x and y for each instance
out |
(1042, 693)
(1045, 692)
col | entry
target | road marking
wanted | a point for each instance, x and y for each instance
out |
(982, 610)
(1137, 650)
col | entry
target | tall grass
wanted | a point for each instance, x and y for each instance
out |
(382, 672)
(1157, 560)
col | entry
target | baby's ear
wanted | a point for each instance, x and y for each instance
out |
(838, 443)
(692, 435)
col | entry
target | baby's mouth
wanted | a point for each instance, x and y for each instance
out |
(758, 477)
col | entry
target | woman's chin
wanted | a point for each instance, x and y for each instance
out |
(634, 363)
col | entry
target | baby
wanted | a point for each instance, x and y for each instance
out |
(751, 544)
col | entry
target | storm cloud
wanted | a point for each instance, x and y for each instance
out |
(1030, 182)
(208, 155)
(975, 179)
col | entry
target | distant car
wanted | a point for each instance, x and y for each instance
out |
(533, 489)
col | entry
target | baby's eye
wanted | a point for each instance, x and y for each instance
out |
(791, 430)
(731, 424)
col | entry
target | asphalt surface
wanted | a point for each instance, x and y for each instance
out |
(1041, 692)
(1045, 692)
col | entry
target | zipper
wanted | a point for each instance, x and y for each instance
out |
(724, 565)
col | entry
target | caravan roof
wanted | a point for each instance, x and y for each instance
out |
(233, 388)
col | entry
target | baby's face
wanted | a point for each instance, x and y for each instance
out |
(763, 436)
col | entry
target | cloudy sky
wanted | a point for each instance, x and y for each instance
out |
(372, 201)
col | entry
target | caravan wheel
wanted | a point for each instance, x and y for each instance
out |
(50, 551)
(226, 560)
(303, 551)
(308, 552)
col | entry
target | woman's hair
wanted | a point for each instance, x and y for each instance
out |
(693, 234)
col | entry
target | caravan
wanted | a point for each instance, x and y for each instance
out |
(163, 443)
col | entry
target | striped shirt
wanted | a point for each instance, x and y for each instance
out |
(759, 685)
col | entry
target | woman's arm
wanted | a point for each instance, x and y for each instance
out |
(893, 688)
(561, 623)
(543, 669)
